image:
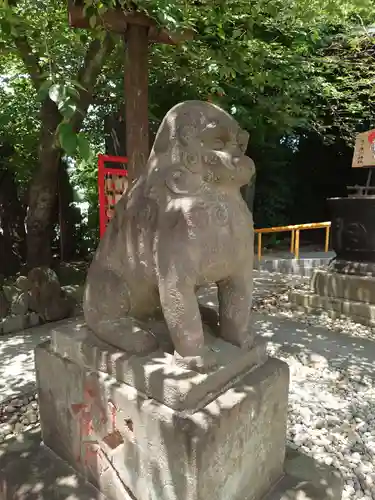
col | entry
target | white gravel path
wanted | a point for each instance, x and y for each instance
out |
(332, 391)
(332, 418)
(332, 387)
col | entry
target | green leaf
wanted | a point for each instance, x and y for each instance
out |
(83, 147)
(67, 138)
(101, 8)
(68, 108)
(5, 27)
(92, 21)
(83, 37)
(72, 92)
(44, 89)
(57, 92)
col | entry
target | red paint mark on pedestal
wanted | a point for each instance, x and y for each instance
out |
(86, 412)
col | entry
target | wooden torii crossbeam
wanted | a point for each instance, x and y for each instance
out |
(138, 30)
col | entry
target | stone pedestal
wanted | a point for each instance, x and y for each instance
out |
(143, 428)
(340, 293)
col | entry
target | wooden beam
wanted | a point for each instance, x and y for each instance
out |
(138, 30)
(118, 21)
(136, 99)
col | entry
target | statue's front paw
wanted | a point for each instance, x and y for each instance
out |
(204, 362)
(248, 341)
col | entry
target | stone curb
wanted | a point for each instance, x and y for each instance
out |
(300, 267)
(335, 308)
(19, 322)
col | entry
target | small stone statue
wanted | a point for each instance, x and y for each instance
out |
(184, 224)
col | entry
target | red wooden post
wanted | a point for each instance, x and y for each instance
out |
(103, 171)
(101, 191)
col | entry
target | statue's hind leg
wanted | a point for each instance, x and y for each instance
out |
(106, 306)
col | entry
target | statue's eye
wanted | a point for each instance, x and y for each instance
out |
(218, 145)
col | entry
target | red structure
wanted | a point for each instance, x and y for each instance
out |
(112, 182)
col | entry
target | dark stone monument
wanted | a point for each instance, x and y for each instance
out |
(347, 287)
(353, 234)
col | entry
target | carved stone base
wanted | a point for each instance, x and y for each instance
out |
(352, 267)
(225, 441)
(157, 375)
(339, 294)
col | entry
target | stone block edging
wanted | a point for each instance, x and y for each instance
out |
(19, 322)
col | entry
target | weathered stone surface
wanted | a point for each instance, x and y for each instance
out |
(344, 286)
(157, 375)
(10, 292)
(231, 449)
(19, 322)
(12, 324)
(352, 227)
(31, 319)
(335, 308)
(4, 305)
(352, 267)
(182, 225)
(20, 304)
(339, 294)
(75, 292)
(46, 296)
(22, 283)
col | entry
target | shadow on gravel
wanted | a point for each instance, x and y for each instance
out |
(29, 472)
(341, 351)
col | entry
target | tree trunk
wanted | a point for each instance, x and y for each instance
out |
(43, 189)
(69, 216)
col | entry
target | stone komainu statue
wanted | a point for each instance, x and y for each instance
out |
(184, 224)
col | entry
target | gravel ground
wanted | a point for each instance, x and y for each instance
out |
(331, 415)
(276, 303)
(18, 415)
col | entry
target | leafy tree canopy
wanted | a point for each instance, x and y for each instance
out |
(286, 70)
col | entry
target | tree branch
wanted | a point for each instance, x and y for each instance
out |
(96, 54)
(29, 59)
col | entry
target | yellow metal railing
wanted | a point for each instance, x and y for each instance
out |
(295, 230)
